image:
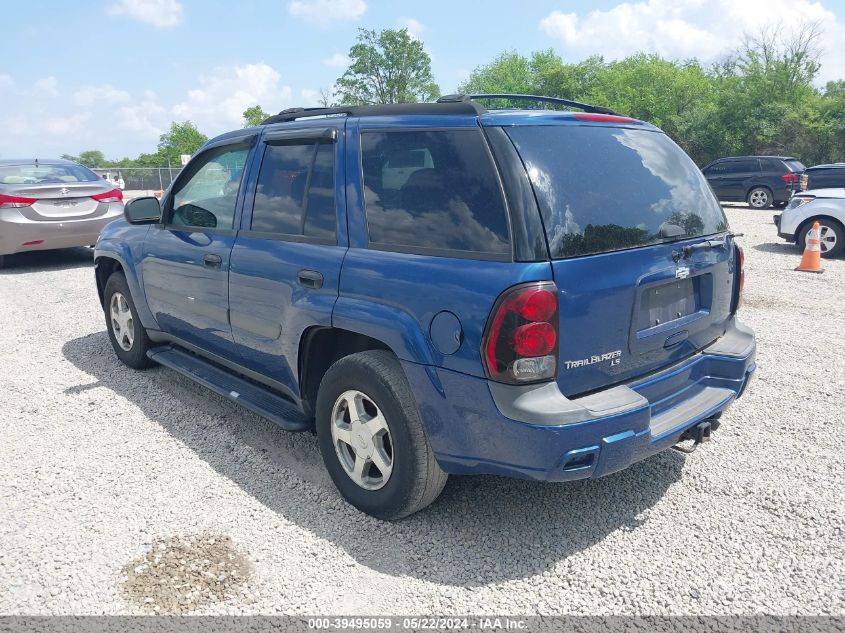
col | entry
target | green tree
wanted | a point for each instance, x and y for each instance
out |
(93, 158)
(388, 66)
(181, 138)
(254, 116)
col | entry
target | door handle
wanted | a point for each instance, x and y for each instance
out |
(310, 278)
(212, 261)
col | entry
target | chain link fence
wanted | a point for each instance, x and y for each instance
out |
(140, 178)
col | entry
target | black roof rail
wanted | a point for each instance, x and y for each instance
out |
(390, 109)
(586, 107)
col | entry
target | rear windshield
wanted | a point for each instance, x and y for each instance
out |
(33, 174)
(795, 165)
(603, 189)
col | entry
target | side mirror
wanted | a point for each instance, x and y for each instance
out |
(197, 216)
(143, 210)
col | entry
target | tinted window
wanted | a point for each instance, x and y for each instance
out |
(320, 209)
(206, 197)
(716, 169)
(603, 189)
(742, 166)
(773, 164)
(295, 191)
(433, 190)
(795, 165)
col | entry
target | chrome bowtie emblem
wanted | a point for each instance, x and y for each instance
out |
(64, 191)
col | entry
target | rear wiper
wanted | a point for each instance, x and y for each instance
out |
(708, 244)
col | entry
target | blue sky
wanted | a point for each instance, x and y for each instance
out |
(111, 75)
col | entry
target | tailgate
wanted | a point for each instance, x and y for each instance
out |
(621, 206)
(639, 312)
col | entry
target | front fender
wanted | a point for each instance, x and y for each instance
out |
(819, 208)
(122, 243)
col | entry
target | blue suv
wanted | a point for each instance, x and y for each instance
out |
(442, 288)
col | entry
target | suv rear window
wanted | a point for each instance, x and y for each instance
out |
(603, 189)
(433, 192)
(795, 165)
(33, 174)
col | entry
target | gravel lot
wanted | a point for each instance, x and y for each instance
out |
(114, 484)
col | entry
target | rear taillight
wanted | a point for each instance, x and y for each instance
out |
(15, 201)
(741, 262)
(790, 177)
(521, 341)
(115, 195)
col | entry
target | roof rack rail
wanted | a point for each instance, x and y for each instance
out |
(292, 114)
(390, 109)
(586, 107)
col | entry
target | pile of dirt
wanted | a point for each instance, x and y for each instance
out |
(182, 573)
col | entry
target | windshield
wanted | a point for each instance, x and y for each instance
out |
(795, 165)
(603, 189)
(35, 174)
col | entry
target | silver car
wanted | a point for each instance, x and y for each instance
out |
(53, 203)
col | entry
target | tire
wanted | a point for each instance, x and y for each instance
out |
(128, 337)
(832, 236)
(759, 198)
(381, 397)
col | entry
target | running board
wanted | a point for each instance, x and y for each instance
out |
(254, 397)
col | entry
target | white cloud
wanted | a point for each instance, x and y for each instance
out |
(310, 98)
(338, 60)
(414, 26)
(65, 126)
(89, 95)
(161, 14)
(6, 81)
(323, 12)
(220, 100)
(47, 87)
(688, 28)
(146, 118)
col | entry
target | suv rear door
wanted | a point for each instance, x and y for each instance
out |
(286, 260)
(619, 205)
(742, 175)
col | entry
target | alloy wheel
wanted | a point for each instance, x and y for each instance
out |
(827, 238)
(362, 440)
(758, 199)
(122, 325)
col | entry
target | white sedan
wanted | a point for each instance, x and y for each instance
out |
(827, 206)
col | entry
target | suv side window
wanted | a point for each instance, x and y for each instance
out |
(433, 191)
(744, 166)
(206, 198)
(295, 193)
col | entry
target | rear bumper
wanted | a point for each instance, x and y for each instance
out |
(591, 436)
(19, 234)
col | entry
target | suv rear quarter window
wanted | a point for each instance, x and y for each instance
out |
(433, 191)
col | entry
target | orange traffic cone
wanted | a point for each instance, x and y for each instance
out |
(811, 260)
